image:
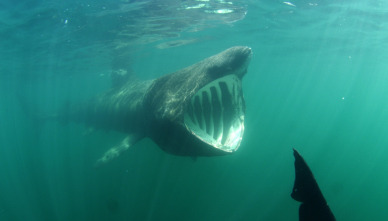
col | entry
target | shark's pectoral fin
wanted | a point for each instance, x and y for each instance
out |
(115, 151)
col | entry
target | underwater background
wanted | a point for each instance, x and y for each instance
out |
(317, 82)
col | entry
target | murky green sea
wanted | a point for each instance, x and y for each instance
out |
(317, 82)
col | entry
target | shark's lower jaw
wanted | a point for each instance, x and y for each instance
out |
(215, 114)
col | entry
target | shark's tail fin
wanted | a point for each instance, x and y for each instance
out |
(30, 111)
(306, 190)
(33, 113)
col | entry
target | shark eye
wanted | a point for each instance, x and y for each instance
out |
(216, 113)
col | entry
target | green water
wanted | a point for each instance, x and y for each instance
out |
(317, 82)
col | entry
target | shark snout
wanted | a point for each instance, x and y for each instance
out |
(234, 61)
(241, 57)
(244, 51)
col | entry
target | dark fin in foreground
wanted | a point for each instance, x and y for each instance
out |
(306, 190)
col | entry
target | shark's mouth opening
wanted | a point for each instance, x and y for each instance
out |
(216, 113)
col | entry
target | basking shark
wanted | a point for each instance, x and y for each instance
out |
(196, 111)
(306, 190)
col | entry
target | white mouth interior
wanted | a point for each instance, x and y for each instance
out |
(216, 113)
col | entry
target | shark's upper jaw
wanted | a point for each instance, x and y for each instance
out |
(215, 113)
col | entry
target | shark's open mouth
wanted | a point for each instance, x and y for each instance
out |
(216, 113)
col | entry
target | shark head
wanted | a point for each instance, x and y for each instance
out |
(200, 109)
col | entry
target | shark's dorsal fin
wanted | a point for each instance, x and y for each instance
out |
(120, 77)
(115, 151)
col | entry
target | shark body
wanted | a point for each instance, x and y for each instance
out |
(196, 111)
